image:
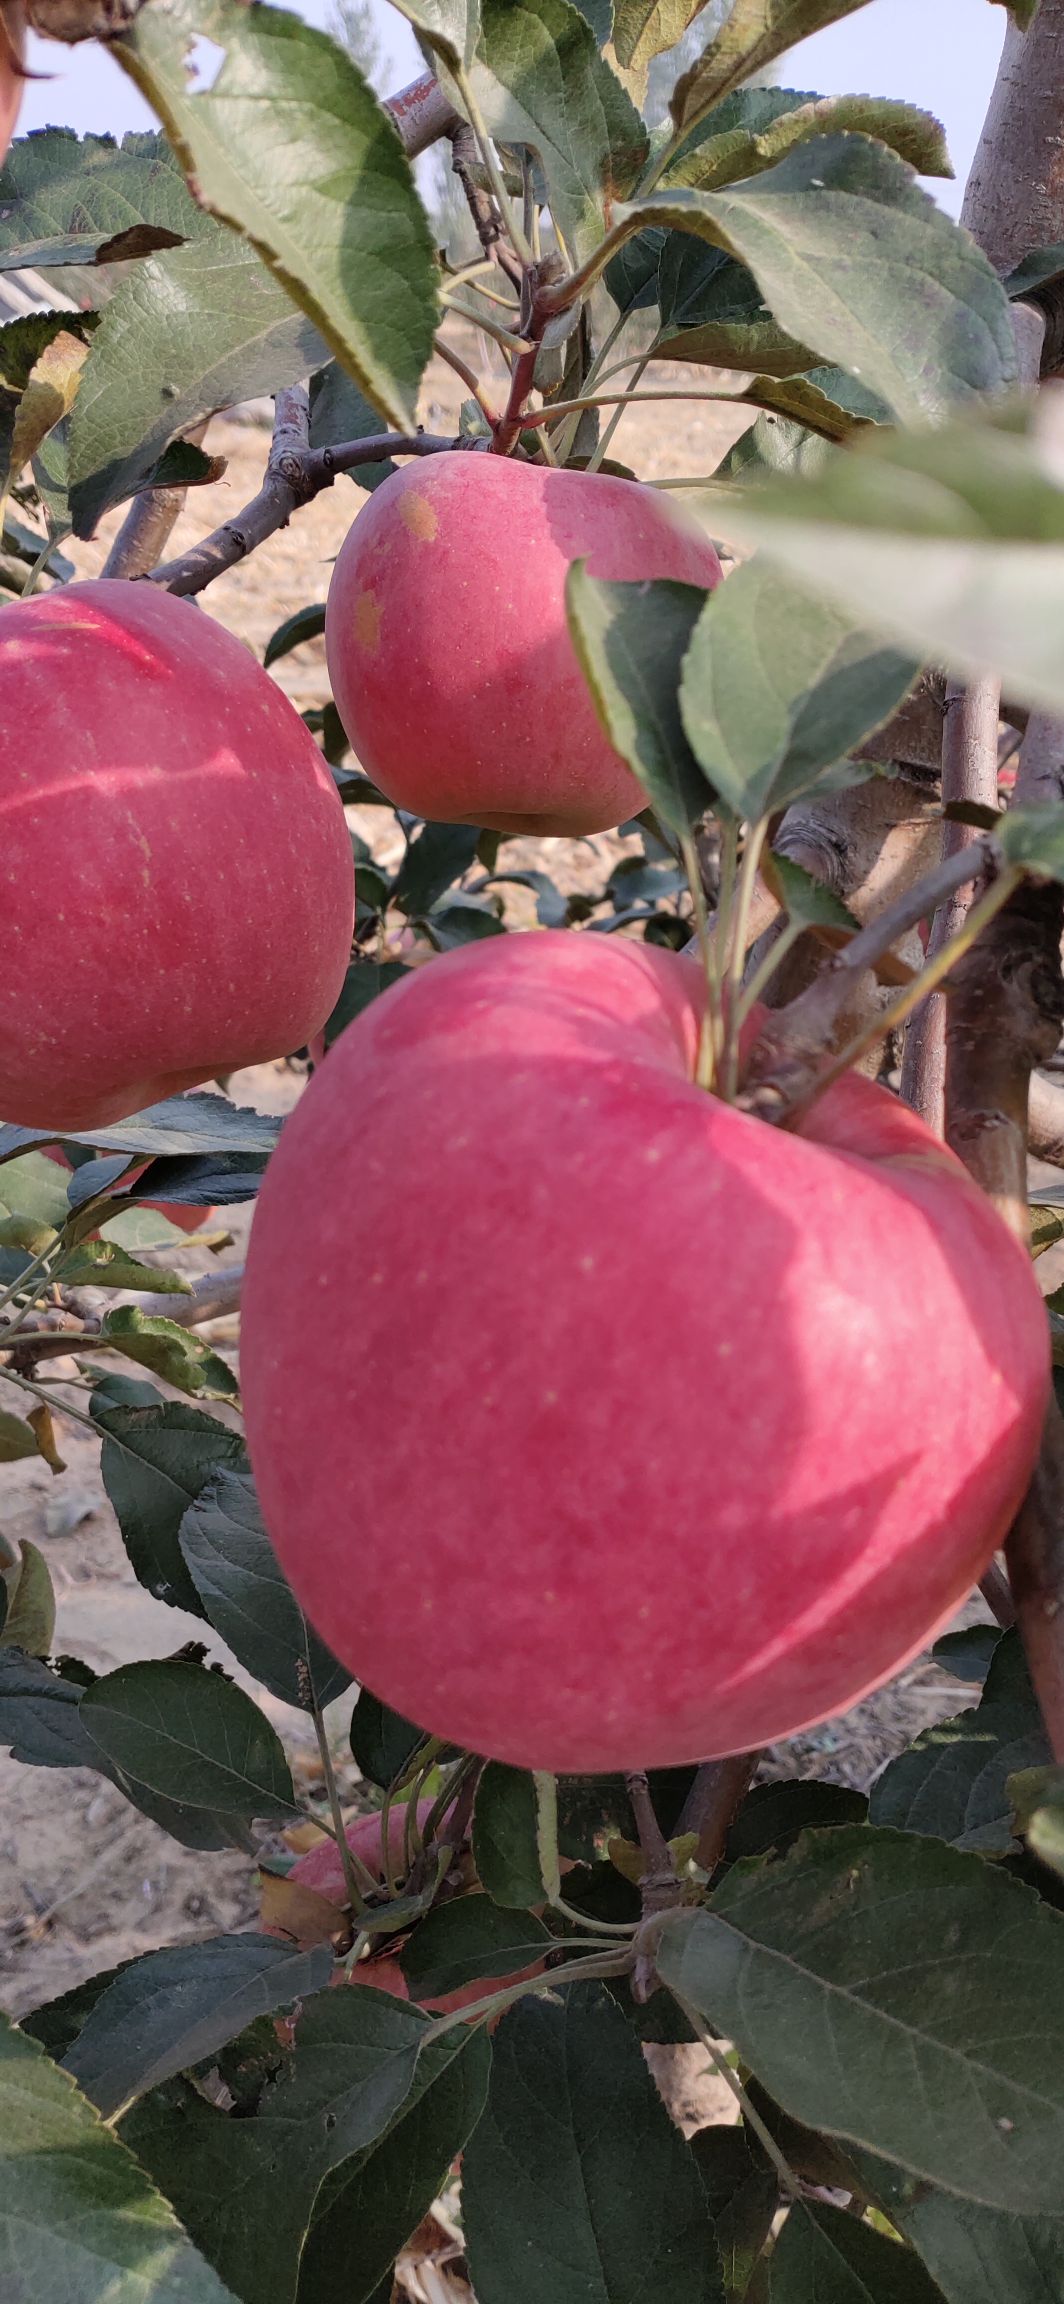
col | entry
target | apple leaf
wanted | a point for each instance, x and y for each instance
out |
(382, 1742)
(775, 689)
(283, 145)
(558, 2201)
(181, 1125)
(245, 1596)
(157, 1456)
(63, 197)
(17, 1439)
(30, 1620)
(742, 2191)
(79, 2219)
(975, 2255)
(175, 2007)
(190, 1736)
(539, 80)
(631, 640)
(825, 2251)
(40, 1715)
(450, 27)
(169, 1351)
(191, 331)
(505, 1850)
(950, 542)
(853, 258)
(1039, 269)
(953, 1782)
(365, 2095)
(471, 1940)
(865, 1980)
(712, 311)
(754, 33)
(754, 127)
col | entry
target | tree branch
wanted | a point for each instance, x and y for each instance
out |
(422, 114)
(969, 772)
(715, 1797)
(145, 532)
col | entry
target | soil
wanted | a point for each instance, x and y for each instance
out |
(84, 1880)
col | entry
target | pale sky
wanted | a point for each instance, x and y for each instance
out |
(942, 54)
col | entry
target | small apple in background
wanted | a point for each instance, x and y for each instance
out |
(176, 876)
(448, 647)
(602, 1425)
(321, 1872)
(12, 74)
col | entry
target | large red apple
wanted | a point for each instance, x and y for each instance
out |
(176, 880)
(600, 1425)
(12, 71)
(448, 646)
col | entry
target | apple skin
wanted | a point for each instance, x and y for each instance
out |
(448, 648)
(12, 52)
(607, 1426)
(176, 875)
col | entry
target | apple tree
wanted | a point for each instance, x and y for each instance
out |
(641, 1354)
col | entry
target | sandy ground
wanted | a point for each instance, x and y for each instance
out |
(84, 1880)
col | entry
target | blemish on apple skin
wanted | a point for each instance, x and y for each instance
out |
(417, 514)
(368, 622)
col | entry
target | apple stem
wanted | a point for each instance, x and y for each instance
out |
(751, 2115)
(756, 836)
(710, 1029)
(358, 1880)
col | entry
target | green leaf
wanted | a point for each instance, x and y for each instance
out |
(21, 343)
(713, 313)
(776, 687)
(105, 1264)
(64, 197)
(290, 146)
(975, 2255)
(631, 276)
(17, 1439)
(869, 1979)
(188, 332)
(949, 541)
(967, 1655)
(561, 2199)
(30, 1620)
(753, 35)
(470, 1941)
(369, 2206)
(953, 1782)
(450, 27)
(40, 1715)
(306, 624)
(157, 1456)
(1033, 838)
(365, 981)
(742, 2191)
(504, 1837)
(631, 640)
(339, 411)
(191, 1737)
(773, 1816)
(437, 857)
(855, 260)
(825, 2252)
(1039, 269)
(826, 400)
(78, 2218)
(539, 80)
(169, 1351)
(382, 1742)
(182, 1125)
(808, 902)
(754, 127)
(235, 1571)
(643, 29)
(175, 2007)
(247, 2187)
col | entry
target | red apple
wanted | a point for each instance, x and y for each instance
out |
(12, 72)
(601, 1425)
(176, 881)
(448, 647)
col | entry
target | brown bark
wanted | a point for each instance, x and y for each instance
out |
(969, 773)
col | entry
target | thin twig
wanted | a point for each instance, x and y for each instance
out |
(469, 378)
(718, 1792)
